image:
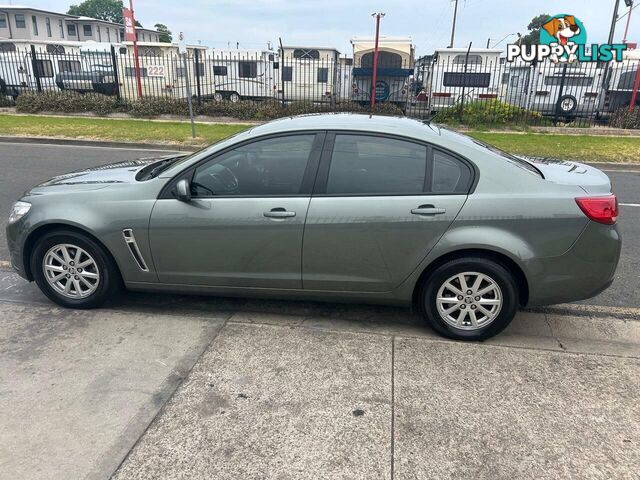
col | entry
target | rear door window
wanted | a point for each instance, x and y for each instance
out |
(370, 165)
(449, 175)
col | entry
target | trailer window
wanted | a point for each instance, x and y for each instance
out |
(220, 70)
(569, 81)
(304, 54)
(131, 72)
(199, 69)
(150, 52)
(627, 81)
(7, 47)
(462, 59)
(44, 68)
(287, 74)
(247, 69)
(55, 49)
(323, 75)
(70, 66)
(478, 80)
(20, 21)
(385, 60)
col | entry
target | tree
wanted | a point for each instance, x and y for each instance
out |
(109, 10)
(533, 37)
(165, 33)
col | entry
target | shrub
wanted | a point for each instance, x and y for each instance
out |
(154, 106)
(484, 113)
(67, 102)
(5, 101)
(623, 118)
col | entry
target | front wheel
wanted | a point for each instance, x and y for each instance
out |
(469, 299)
(73, 270)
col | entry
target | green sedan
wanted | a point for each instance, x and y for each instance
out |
(336, 207)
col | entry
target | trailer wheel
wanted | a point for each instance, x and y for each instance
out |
(218, 97)
(234, 97)
(567, 104)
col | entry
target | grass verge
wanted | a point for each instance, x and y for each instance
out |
(114, 129)
(584, 148)
(567, 147)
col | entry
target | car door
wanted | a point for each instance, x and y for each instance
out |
(244, 223)
(380, 205)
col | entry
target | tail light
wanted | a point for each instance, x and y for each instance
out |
(442, 94)
(600, 209)
(488, 95)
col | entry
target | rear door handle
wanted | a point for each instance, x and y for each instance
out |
(279, 213)
(428, 210)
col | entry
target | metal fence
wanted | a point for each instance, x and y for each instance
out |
(454, 89)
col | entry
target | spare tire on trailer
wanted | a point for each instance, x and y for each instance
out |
(567, 105)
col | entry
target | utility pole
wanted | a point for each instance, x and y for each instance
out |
(453, 27)
(374, 77)
(629, 3)
(613, 22)
(135, 51)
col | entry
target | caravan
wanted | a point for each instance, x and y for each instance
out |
(309, 73)
(394, 72)
(458, 72)
(244, 74)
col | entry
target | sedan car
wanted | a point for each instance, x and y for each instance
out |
(336, 207)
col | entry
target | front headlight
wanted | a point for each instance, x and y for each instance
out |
(18, 211)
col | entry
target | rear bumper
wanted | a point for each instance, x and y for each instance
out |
(584, 271)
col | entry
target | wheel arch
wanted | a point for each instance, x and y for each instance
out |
(500, 258)
(42, 230)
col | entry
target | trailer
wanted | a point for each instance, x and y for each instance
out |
(472, 74)
(27, 65)
(244, 74)
(309, 73)
(394, 70)
(620, 82)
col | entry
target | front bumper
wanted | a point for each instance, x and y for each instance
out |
(584, 271)
(16, 239)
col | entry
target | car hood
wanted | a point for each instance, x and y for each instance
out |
(564, 172)
(98, 177)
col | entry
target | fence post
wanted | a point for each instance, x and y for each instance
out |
(464, 81)
(282, 71)
(196, 58)
(560, 92)
(34, 66)
(116, 79)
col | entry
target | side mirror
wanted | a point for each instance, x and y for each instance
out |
(183, 190)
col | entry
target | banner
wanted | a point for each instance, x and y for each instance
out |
(129, 25)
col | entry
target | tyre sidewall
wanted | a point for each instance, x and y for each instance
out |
(108, 273)
(494, 270)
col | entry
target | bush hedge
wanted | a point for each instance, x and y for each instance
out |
(71, 102)
(484, 113)
(623, 118)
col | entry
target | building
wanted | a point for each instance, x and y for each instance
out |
(26, 23)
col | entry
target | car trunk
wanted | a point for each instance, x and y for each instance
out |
(590, 179)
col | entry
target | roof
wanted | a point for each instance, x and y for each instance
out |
(31, 9)
(473, 50)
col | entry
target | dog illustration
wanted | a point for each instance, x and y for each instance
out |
(564, 29)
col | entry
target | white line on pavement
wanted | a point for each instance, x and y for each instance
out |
(629, 204)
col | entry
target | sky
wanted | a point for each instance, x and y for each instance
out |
(332, 23)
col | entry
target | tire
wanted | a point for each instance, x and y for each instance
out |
(103, 273)
(500, 301)
(234, 97)
(567, 105)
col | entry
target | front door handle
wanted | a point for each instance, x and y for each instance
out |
(428, 210)
(279, 213)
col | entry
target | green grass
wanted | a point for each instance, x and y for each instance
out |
(114, 129)
(590, 148)
(569, 147)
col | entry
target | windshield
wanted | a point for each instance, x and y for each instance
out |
(519, 162)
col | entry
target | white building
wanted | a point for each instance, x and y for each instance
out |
(27, 23)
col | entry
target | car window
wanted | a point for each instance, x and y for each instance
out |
(268, 167)
(449, 175)
(364, 165)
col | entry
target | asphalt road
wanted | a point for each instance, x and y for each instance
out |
(24, 165)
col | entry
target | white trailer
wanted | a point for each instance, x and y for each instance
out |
(309, 73)
(394, 70)
(474, 73)
(621, 80)
(244, 74)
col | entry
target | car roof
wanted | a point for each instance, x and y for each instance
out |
(407, 127)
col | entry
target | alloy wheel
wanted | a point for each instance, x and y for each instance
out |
(469, 300)
(71, 271)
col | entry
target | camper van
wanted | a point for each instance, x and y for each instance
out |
(309, 73)
(570, 90)
(394, 72)
(244, 74)
(622, 78)
(20, 71)
(457, 72)
(162, 70)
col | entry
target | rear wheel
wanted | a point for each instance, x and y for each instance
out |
(234, 97)
(469, 299)
(73, 270)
